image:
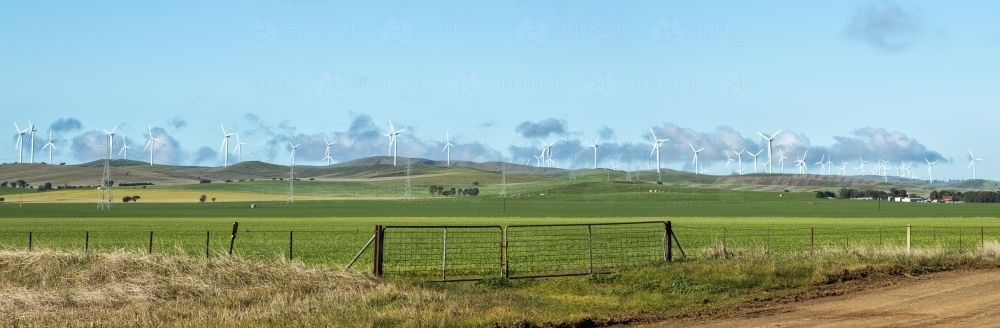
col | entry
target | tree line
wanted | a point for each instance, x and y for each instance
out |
(453, 191)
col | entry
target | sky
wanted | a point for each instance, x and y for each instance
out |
(898, 81)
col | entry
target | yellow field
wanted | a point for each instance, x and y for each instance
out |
(147, 195)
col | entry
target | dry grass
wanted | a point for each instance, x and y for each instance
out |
(51, 288)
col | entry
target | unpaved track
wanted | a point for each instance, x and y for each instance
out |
(965, 298)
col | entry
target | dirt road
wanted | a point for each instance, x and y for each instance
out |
(958, 298)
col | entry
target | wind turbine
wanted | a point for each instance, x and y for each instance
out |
(326, 156)
(225, 145)
(151, 144)
(20, 142)
(768, 148)
(843, 167)
(50, 146)
(729, 163)
(239, 147)
(930, 170)
(801, 163)
(739, 155)
(822, 165)
(31, 130)
(755, 159)
(697, 169)
(613, 168)
(111, 140)
(972, 164)
(595, 150)
(447, 146)
(657, 143)
(781, 160)
(291, 175)
(125, 147)
(393, 135)
(862, 167)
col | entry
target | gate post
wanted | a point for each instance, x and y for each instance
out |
(379, 240)
(668, 248)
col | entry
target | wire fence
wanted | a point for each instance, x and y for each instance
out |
(449, 252)
(735, 242)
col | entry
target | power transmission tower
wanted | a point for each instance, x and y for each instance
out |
(106, 183)
(291, 185)
(503, 181)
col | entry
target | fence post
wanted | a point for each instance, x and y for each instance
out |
(503, 253)
(377, 270)
(208, 236)
(506, 259)
(907, 239)
(982, 239)
(880, 236)
(151, 242)
(289, 245)
(725, 249)
(86, 243)
(232, 237)
(812, 244)
(30, 239)
(767, 246)
(590, 247)
(444, 256)
(847, 233)
(959, 239)
(669, 247)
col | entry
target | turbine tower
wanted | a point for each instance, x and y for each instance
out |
(930, 168)
(31, 130)
(239, 147)
(769, 148)
(225, 145)
(972, 164)
(697, 168)
(327, 156)
(755, 159)
(50, 146)
(781, 160)
(111, 140)
(291, 176)
(821, 163)
(657, 143)
(595, 150)
(862, 167)
(729, 163)
(150, 144)
(20, 143)
(393, 135)
(125, 147)
(739, 156)
(447, 147)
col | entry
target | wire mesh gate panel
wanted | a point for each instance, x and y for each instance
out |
(446, 253)
(576, 249)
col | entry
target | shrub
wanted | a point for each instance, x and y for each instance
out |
(203, 198)
(204, 181)
(126, 199)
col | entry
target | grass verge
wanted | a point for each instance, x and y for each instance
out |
(52, 288)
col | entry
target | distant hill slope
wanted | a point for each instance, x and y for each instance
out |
(378, 168)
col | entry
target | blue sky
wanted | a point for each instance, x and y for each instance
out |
(894, 80)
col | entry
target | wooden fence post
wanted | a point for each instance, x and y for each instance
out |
(379, 245)
(669, 247)
(289, 245)
(590, 247)
(208, 235)
(86, 243)
(907, 239)
(812, 243)
(151, 242)
(444, 256)
(30, 240)
(232, 238)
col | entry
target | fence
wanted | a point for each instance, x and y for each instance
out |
(455, 253)
(730, 242)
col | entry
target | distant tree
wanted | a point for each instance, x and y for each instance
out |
(452, 190)
(204, 181)
(820, 194)
(432, 189)
(934, 194)
(126, 199)
(1, 199)
(21, 184)
(475, 183)
(4, 184)
(48, 185)
(213, 199)
(203, 198)
(135, 198)
(474, 192)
